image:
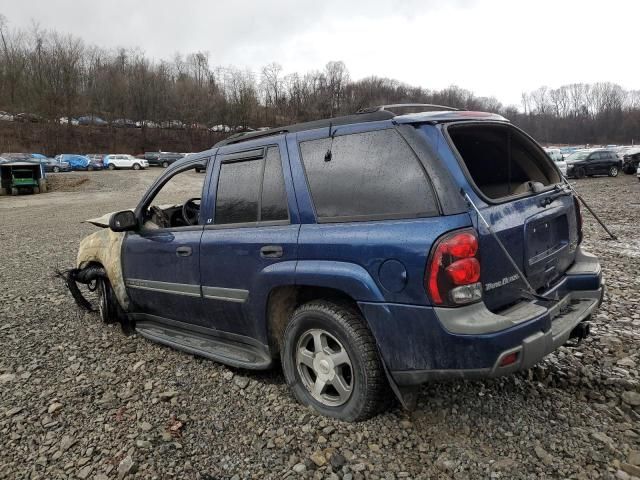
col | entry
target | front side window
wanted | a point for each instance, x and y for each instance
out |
(371, 175)
(251, 191)
(176, 203)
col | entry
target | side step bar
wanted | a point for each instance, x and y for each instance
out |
(203, 342)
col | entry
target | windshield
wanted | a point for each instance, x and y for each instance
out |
(574, 157)
(22, 174)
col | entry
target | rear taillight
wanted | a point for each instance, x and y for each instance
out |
(576, 202)
(453, 271)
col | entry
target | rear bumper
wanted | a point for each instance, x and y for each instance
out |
(419, 344)
(530, 350)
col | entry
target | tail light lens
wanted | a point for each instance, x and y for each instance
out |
(576, 202)
(453, 271)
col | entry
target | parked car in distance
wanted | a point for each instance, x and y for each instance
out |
(92, 120)
(631, 160)
(123, 123)
(163, 159)
(65, 121)
(558, 159)
(146, 124)
(96, 160)
(349, 250)
(591, 162)
(116, 161)
(221, 128)
(28, 118)
(6, 117)
(51, 165)
(176, 124)
(76, 162)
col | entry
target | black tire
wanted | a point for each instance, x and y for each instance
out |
(90, 168)
(112, 166)
(136, 166)
(14, 191)
(36, 190)
(107, 303)
(56, 169)
(579, 172)
(613, 171)
(369, 389)
(165, 164)
(628, 169)
(109, 309)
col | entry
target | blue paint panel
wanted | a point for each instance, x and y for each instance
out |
(366, 245)
(152, 256)
(412, 338)
(230, 258)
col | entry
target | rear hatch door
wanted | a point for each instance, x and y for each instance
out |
(538, 238)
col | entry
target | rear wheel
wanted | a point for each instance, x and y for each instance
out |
(112, 166)
(613, 171)
(90, 168)
(331, 362)
(56, 169)
(165, 164)
(579, 173)
(136, 166)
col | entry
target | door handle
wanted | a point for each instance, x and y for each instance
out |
(271, 251)
(183, 251)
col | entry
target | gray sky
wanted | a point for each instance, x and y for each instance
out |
(492, 47)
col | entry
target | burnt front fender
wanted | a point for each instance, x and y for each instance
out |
(104, 247)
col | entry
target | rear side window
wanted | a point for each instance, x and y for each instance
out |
(371, 175)
(251, 191)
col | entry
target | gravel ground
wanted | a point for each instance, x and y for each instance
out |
(78, 399)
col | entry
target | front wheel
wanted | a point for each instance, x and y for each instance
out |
(580, 173)
(112, 166)
(56, 169)
(136, 166)
(165, 164)
(613, 172)
(90, 168)
(331, 362)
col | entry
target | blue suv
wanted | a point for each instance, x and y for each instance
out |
(369, 254)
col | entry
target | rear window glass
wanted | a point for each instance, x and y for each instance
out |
(501, 161)
(367, 175)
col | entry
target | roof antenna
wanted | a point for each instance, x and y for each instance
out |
(328, 156)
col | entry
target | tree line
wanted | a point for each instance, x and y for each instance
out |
(57, 75)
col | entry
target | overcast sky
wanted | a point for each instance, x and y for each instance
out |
(492, 47)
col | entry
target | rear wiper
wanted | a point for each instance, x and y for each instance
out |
(561, 191)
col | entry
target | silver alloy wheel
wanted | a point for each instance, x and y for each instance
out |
(613, 171)
(324, 367)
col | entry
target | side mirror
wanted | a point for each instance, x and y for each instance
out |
(123, 221)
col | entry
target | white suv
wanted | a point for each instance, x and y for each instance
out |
(124, 161)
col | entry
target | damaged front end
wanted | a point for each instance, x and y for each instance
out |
(88, 276)
(99, 267)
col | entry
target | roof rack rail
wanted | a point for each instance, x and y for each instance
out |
(241, 137)
(413, 107)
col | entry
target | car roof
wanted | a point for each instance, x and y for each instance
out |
(435, 114)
